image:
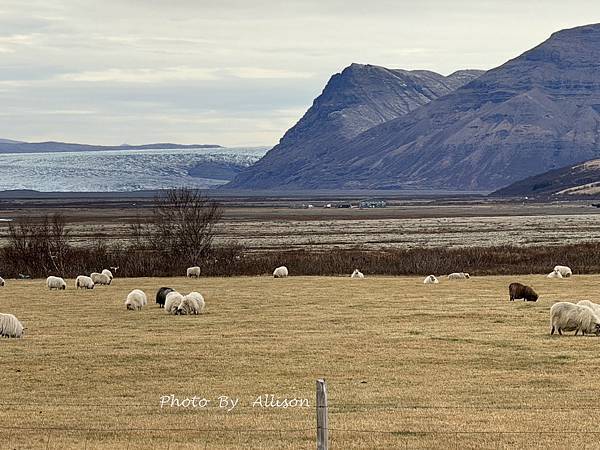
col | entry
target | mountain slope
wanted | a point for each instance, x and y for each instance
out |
(578, 180)
(534, 113)
(359, 98)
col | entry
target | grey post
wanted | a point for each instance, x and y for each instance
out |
(322, 425)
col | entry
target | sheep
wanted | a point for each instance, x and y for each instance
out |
(518, 291)
(192, 303)
(564, 271)
(431, 279)
(108, 273)
(554, 274)
(357, 274)
(10, 326)
(136, 299)
(100, 278)
(172, 302)
(161, 296)
(458, 276)
(2, 282)
(565, 316)
(83, 282)
(56, 283)
(593, 306)
(280, 272)
(193, 272)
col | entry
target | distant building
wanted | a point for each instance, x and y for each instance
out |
(372, 204)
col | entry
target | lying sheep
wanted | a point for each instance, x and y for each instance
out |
(518, 291)
(10, 326)
(136, 299)
(2, 282)
(280, 272)
(192, 303)
(172, 302)
(554, 274)
(565, 316)
(431, 279)
(357, 274)
(593, 306)
(161, 296)
(83, 282)
(458, 276)
(100, 279)
(564, 271)
(193, 272)
(108, 273)
(56, 283)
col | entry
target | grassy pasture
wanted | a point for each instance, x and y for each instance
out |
(408, 365)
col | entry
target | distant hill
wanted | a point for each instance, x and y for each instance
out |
(353, 101)
(579, 180)
(9, 146)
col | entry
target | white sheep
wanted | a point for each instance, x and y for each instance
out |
(136, 299)
(56, 283)
(172, 302)
(458, 276)
(192, 303)
(554, 274)
(83, 282)
(280, 272)
(108, 273)
(431, 279)
(357, 274)
(100, 278)
(2, 283)
(193, 272)
(565, 316)
(593, 306)
(10, 326)
(564, 271)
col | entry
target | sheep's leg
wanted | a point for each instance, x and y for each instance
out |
(559, 332)
(552, 331)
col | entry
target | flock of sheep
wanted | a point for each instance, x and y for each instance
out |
(583, 317)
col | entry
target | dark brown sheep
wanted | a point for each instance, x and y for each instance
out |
(518, 290)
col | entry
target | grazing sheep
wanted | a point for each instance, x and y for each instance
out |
(554, 274)
(192, 303)
(10, 326)
(280, 272)
(161, 296)
(83, 282)
(518, 291)
(357, 274)
(565, 316)
(431, 279)
(564, 271)
(193, 272)
(593, 306)
(2, 282)
(108, 273)
(100, 278)
(172, 302)
(458, 276)
(56, 283)
(136, 299)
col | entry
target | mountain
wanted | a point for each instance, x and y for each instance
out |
(10, 146)
(580, 180)
(353, 101)
(538, 111)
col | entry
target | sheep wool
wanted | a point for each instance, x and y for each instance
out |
(357, 274)
(108, 273)
(566, 316)
(56, 283)
(100, 279)
(172, 302)
(554, 274)
(83, 282)
(191, 304)
(136, 299)
(431, 279)
(2, 282)
(10, 326)
(565, 271)
(280, 272)
(458, 276)
(193, 272)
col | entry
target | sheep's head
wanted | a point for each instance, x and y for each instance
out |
(467, 275)
(597, 329)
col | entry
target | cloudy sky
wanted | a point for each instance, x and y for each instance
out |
(232, 72)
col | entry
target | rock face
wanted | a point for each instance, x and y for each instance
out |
(359, 98)
(580, 180)
(534, 113)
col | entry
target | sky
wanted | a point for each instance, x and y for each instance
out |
(232, 72)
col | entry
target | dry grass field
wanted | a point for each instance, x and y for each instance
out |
(408, 365)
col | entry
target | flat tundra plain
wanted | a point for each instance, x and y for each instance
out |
(408, 365)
